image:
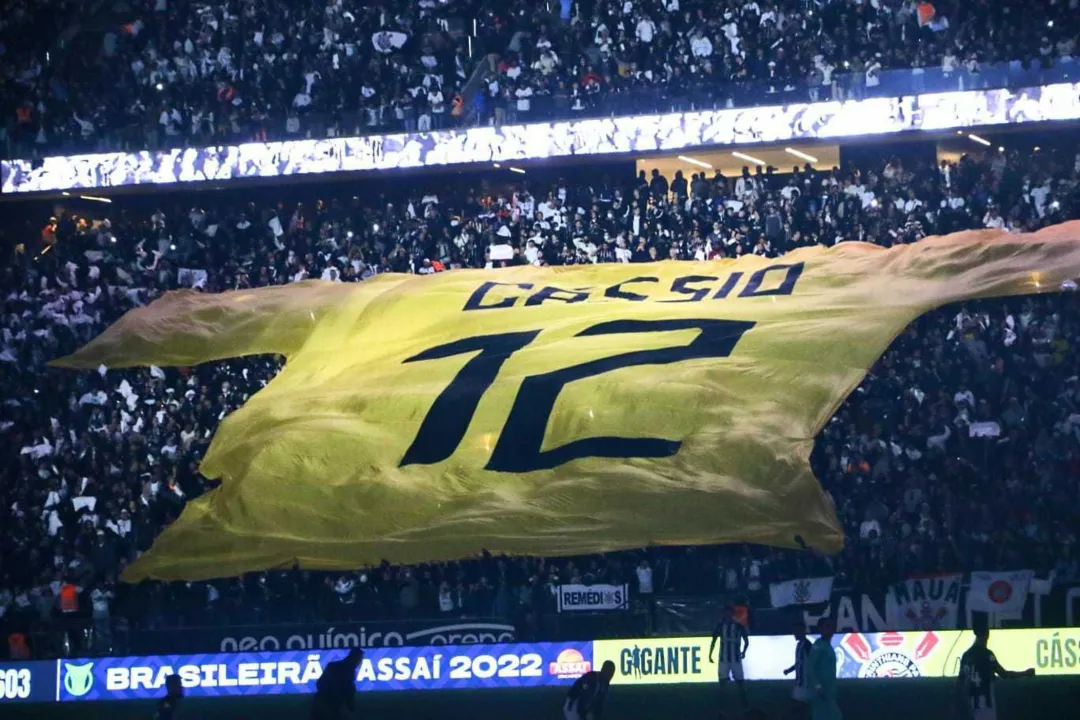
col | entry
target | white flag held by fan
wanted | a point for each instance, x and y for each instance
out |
(999, 592)
(806, 591)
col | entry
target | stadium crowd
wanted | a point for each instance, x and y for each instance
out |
(959, 451)
(170, 73)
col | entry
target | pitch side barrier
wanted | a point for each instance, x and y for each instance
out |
(515, 665)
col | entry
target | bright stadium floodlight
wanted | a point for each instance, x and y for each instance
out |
(980, 140)
(517, 170)
(748, 158)
(95, 198)
(801, 155)
(695, 161)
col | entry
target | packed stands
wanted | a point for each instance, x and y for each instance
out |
(959, 450)
(178, 74)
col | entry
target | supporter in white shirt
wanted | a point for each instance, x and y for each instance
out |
(121, 526)
(170, 121)
(1038, 195)
(745, 187)
(524, 102)
(437, 102)
(908, 204)
(344, 588)
(644, 577)
(701, 45)
(868, 526)
(546, 209)
(953, 201)
(547, 63)
(964, 396)
(993, 219)
(753, 575)
(646, 28)
(532, 253)
(99, 600)
(41, 448)
(446, 598)
(873, 73)
(949, 62)
(85, 126)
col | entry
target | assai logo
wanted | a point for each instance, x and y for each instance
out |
(569, 664)
(78, 679)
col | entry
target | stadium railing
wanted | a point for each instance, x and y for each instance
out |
(647, 616)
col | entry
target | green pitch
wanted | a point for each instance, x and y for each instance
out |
(1019, 699)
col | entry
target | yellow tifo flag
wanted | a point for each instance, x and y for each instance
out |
(545, 411)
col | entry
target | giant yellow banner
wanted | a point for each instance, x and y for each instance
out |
(545, 411)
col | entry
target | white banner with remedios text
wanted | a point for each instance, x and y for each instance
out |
(592, 598)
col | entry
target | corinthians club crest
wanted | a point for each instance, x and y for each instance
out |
(801, 594)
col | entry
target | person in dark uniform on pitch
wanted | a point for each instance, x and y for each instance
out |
(168, 706)
(734, 642)
(335, 691)
(822, 674)
(979, 669)
(800, 695)
(585, 700)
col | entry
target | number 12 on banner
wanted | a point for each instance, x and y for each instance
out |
(519, 445)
